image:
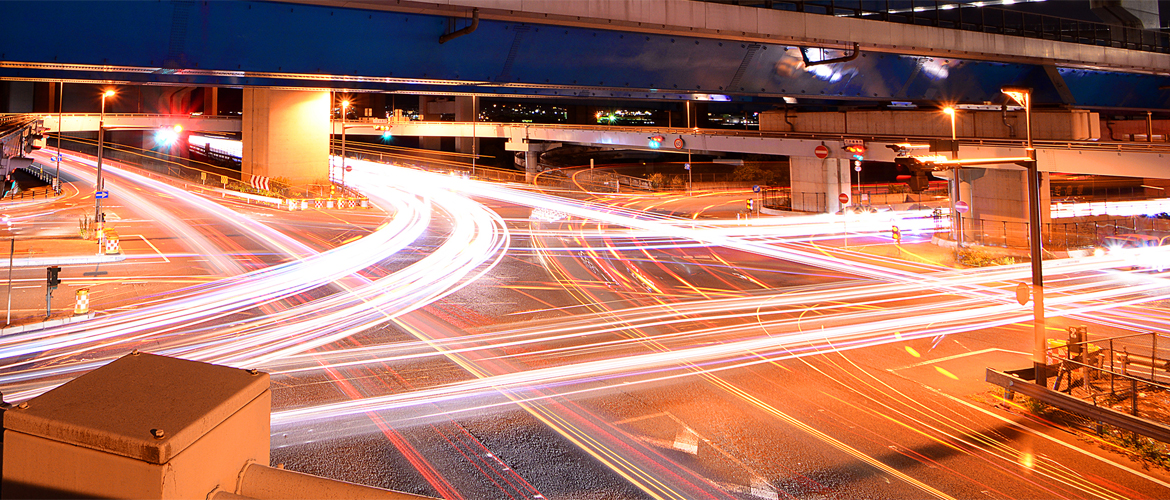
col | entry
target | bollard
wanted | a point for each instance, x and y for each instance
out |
(82, 306)
(111, 245)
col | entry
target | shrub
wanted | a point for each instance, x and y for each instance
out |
(974, 257)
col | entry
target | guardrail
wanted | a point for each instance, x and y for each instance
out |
(1071, 404)
(40, 173)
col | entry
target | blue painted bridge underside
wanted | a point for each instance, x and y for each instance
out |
(275, 44)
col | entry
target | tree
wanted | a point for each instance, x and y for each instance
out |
(751, 172)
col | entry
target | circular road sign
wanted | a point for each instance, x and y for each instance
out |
(679, 143)
(843, 198)
(1023, 293)
(349, 168)
(962, 207)
(756, 188)
(821, 151)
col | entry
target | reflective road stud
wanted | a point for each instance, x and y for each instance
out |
(82, 306)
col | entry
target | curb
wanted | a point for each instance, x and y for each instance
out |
(63, 261)
(32, 327)
(1013, 252)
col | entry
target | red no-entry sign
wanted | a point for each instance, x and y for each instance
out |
(844, 198)
(962, 207)
(822, 152)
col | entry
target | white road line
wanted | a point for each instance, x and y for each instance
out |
(957, 356)
(160, 254)
(1025, 429)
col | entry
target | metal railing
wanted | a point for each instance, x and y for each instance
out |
(1058, 235)
(1111, 369)
(968, 17)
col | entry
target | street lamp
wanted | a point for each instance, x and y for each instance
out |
(951, 112)
(98, 185)
(955, 193)
(344, 108)
(1023, 96)
(690, 186)
(60, 113)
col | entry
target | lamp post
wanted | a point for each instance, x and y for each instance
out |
(956, 194)
(689, 166)
(98, 185)
(344, 108)
(1023, 96)
(474, 118)
(60, 113)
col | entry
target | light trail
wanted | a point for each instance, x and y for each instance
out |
(253, 342)
(477, 241)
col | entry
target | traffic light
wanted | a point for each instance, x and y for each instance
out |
(918, 182)
(52, 278)
(385, 129)
(750, 204)
(896, 234)
(656, 141)
(857, 150)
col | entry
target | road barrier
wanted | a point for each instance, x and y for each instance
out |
(328, 203)
(111, 241)
(82, 306)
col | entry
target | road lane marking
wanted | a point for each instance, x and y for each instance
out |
(160, 254)
(957, 356)
(1026, 429)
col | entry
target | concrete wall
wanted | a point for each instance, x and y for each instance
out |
(1002, 195)
(286, 134)
(816, 183)
(1076, 125)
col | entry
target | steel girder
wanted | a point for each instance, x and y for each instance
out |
(293, 45)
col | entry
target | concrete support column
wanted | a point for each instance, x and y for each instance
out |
(286, 134)
(530, 171)
(211, 101)
(464, 112)
(432, 108)
(966, 176)
(999, 206)
(532, 152)
(817, 183)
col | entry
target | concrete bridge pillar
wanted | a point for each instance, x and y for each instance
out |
(532, 152)
(999, 205)
(816, 183)
(431, 109)
(286, 134)
(465, 110)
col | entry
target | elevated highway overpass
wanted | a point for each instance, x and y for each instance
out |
(1133, 159)
(622, 49)
(291, 55)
